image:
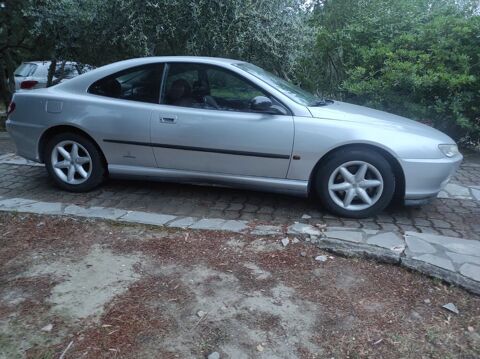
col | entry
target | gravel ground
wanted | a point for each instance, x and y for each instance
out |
(103, 290)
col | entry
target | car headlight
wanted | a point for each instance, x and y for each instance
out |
(449, 150)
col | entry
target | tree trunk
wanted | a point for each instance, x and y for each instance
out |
(4, 93)
(60, 74)
(51, 72)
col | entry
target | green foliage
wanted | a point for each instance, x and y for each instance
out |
(416, 58)
(15, 42)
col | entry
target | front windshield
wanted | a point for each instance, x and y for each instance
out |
(293, 92)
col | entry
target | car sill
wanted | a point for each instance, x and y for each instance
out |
(278, 185)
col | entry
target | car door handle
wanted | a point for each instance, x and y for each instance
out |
(168, 120)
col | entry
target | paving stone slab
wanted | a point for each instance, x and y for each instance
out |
(234, 226)
(436, 260)
(266, 230)
(74, 210)
(95, 212)
(13, 159)
(446, 275)
(388, 240)
(209, 223)
(302, 228)
(359, 249)
(458, 245)
(42, 208)
(417, 245)
(454, 260)
(471, 271)
(183, 223)
(147, 218)
(14, 203)
(346, 235)
(453, 190)
(107, 213)
(463, 258)
(475, 193)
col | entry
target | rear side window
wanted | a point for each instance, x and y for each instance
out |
(25, 70)
(141, 83)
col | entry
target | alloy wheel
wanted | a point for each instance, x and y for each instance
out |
(71, 162)
(355, 185)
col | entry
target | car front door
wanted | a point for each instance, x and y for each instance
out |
(206, 123)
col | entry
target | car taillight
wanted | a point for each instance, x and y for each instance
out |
(11, 108)
(27, 85)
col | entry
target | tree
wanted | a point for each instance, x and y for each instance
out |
(14, 42)
(417, 58)
(270, 33)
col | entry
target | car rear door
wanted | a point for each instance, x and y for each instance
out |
(204, 123)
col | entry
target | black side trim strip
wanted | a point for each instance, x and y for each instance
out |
(202, 149)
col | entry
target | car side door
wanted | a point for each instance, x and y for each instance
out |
(206, 123)
(119, 112)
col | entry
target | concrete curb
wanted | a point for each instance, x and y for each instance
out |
(451, 259)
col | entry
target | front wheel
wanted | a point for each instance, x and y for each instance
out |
(355, 183)
(74, 162)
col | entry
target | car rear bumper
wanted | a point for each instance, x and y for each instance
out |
(425, 178)
(26, 137)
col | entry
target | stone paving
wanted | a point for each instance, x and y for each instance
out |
(455, 215)
(451, 259)
(460, 191)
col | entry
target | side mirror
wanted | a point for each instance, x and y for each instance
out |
(261, 104)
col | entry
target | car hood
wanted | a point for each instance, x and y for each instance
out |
(342, 111)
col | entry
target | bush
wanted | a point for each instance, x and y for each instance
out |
(407, 57)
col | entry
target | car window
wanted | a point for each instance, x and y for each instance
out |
(25, 70)
(293, 92)
(228, 87)
(141, 83)
(212, 87)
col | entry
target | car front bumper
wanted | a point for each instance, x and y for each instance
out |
(425, 178)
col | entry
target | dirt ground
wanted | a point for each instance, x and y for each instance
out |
(94, 289)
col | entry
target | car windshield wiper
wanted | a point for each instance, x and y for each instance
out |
(322, 102)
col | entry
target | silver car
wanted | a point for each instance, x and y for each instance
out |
(221, 121)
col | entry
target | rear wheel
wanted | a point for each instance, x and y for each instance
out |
(355, 183)
(74, 162)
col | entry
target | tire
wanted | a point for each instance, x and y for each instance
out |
(346, 196)
(87, 158)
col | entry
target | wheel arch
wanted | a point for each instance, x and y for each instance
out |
(52, 131)
(399, 194)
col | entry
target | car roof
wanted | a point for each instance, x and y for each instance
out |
(83, 81)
